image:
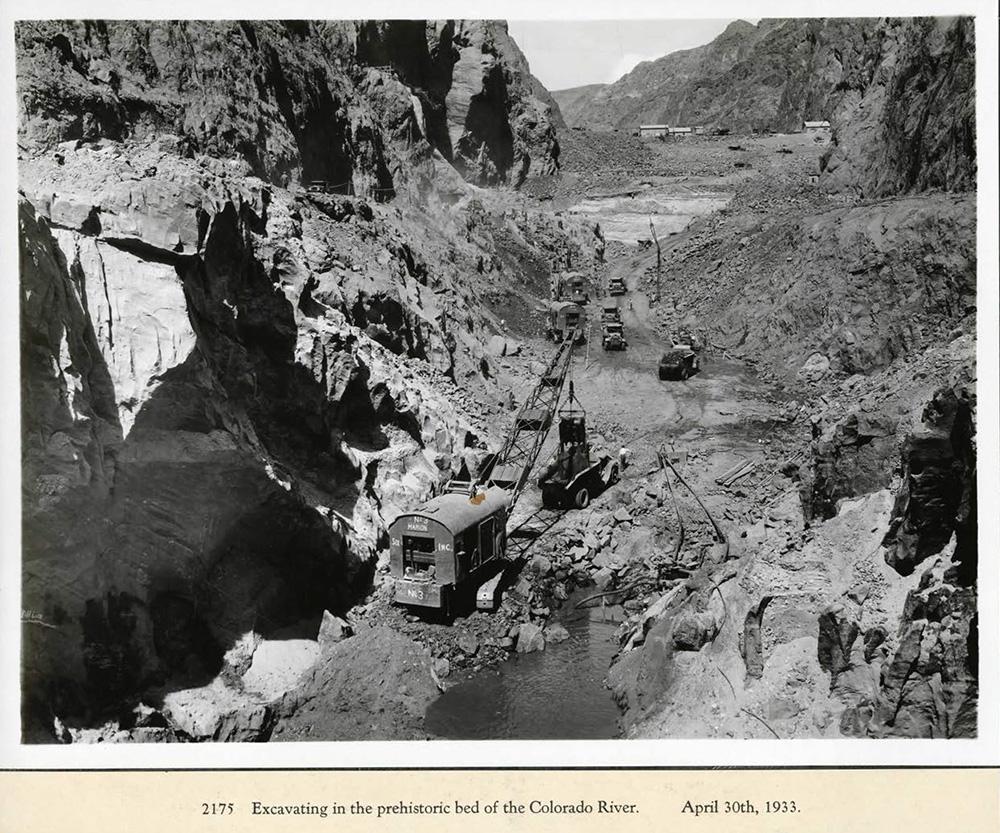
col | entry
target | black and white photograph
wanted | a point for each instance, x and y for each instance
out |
(498, 379)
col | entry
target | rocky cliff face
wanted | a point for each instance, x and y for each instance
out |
(900, 94)
(351, 103)
(501, 120)
(771, 76)
(218, 409)
(850, 608)
(907, 117)
(231, 387)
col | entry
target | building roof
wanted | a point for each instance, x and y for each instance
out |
(816, 124)
(680, 129)
(456, 512)
(654, 126)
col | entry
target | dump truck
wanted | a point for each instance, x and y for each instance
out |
(571, 477)
(679, 362)
(616, 286)
(610, 311)
(613, 336)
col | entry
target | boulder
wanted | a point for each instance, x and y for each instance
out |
(603, 577)
(238, 659)
(332, 629)
(602, 559)
(556, 633)
(692, 631)
(530, 638)
(815, 368)
(468, 644)
(499, 346)
(541, 565)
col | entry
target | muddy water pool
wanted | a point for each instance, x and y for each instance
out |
(557, 693)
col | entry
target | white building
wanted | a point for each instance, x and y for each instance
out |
(815, 127)
(653, 130)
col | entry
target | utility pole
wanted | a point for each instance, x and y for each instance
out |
(656, 241)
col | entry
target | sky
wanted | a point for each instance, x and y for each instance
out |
(572, 53)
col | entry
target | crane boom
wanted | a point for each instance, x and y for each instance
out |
(531, 425)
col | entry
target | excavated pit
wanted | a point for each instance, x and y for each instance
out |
(555, 694)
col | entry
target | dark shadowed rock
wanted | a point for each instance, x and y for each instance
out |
(938, 494)
(837, 634)
(332, 629)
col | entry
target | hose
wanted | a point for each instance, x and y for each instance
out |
(681, 533)
(718, 530)
(606, 593)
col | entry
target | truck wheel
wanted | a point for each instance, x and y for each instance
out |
(581, 500)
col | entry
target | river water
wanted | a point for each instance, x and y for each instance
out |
(557, 693)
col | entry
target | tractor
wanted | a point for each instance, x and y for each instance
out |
(571, 477)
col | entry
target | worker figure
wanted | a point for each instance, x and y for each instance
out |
(478, 494)
(624, 455)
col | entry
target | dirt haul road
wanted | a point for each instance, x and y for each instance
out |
(721, 416)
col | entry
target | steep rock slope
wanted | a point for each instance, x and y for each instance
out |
(769, 76)
(229, 391)
(292, 98)
(572, 102)
(850, 609)
(205, 432)
(479, 104)
(231, 387)
(907, 119)
(898, 91)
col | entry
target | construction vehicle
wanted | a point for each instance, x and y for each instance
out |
(571, 478)
(577, 289)
(679, 362)
(686, 336)
(616, 286)
(610, 311)
(569, 286)
(613, 336)
(459, 539)
(565, 319)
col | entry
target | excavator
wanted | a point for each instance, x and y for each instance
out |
(459, 538)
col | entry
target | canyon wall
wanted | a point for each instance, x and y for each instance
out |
(899, 93)
(297, 100)
(230, 385)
